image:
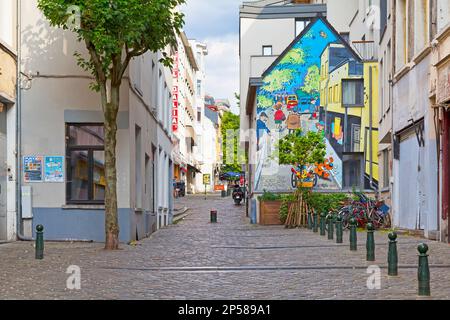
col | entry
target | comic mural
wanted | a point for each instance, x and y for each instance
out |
(303, 90)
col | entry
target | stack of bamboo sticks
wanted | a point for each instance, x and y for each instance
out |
(298, 212)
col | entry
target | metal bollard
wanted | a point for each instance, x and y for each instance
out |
(213, 216)
(353, 237)
(392, 255)
(423, 273)
(370, 243)
(310, 225)
(322, 224)
(315, 224)
(39, 242)
(330, 227)
(339, 231)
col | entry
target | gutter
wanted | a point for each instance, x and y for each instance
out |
(19, 234)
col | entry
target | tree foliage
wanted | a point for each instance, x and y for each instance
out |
(230, 142)
(301, 149)
(115, 31)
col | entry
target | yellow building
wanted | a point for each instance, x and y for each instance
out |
(349, 100)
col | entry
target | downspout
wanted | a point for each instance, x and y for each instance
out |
(371, 129)
(19, 234)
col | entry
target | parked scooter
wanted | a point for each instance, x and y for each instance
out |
(238, 194)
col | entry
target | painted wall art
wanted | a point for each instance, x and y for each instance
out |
(319, 83)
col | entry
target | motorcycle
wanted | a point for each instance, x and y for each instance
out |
(238, 195)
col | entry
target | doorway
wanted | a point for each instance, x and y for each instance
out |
(3, 173)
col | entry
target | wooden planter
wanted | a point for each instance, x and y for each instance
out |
(269, 212)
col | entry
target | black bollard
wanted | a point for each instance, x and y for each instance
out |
(423, 273)
(370, 243)
(39, 242)
(322, 223)
(315, 224)
(330, 227)
(339, 230)
(353, 236)
(310, 225)
(392, 255)
(213, 216)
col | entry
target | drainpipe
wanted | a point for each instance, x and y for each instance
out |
(19, 234)
(371, 129)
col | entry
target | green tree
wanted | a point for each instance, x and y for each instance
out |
(312, 80)
(299, 149)
(230, 142)
(115, 31)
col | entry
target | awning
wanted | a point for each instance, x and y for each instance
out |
(192, 168)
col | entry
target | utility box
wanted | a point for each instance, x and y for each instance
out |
(27, 209)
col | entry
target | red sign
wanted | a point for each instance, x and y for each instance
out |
(242, 181)
(175, 74)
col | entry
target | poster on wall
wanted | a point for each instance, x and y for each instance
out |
(54, 169)
(32, 169)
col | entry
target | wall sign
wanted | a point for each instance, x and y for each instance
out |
(32, 169)
(175, 91)
(54, 169)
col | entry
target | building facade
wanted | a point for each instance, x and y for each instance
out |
(185, 124)
(8, 115)
(62, 172)
(319, 81)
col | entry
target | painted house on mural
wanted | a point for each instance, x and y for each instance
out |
(319, 83)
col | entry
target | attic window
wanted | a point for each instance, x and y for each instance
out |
(300, 25)
(267, 50)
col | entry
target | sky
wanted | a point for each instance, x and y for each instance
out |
(216, 23)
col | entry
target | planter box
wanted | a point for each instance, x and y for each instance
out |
(269, 212)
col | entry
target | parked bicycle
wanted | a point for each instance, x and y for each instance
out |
(365, 210)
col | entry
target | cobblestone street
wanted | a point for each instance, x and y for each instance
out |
(194, 259)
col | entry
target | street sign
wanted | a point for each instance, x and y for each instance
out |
(206, 179)
(242, 180)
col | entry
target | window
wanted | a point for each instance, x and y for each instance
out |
(300, 25)
(383, 15)
(199, 88)
(443, 14)
(352, 171)
(85, 163)
(199, 115)
(385, 168)
(138, 167)
(267, 50)
(353, 93)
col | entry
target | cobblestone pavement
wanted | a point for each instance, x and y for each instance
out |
(232, 259)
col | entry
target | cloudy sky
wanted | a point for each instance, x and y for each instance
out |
(216, 23)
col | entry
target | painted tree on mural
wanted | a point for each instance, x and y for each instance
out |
(312, 79)
(115, 32)
(277, 80)
(265, 102)
(296, 55)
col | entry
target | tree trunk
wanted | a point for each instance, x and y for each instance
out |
(111, 214)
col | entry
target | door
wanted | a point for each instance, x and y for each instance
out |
(411, 195)
(3, 174)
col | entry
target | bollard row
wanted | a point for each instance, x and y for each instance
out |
(330, 222)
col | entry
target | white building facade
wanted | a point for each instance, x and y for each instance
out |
(61, 140)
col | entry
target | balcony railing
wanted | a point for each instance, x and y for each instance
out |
(366, 49)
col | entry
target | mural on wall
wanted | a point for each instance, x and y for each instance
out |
(303, 89)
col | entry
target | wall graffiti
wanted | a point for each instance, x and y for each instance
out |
(309, 87)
